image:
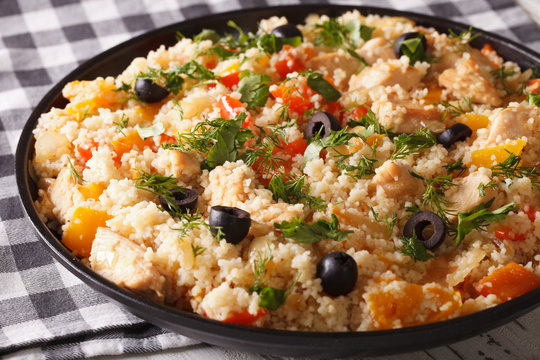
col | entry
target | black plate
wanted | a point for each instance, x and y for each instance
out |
(112, 62)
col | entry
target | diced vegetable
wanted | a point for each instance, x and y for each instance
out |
(297, 98)
(86, 151)
(496, 154)
(288, 62)
(92, 190)
(230, 80)
(245, 318)
(508, 282)
(492, 55)
(80, 232)
(507, 233)
(231, 107)
(474, 121)
(533, 86)
(126, 143)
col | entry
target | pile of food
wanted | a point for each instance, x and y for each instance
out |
(348, 174)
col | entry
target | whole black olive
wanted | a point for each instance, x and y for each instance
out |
(408, 36)
(418, 223)
(148, 91)
(234, 222)
(185, 200)
(338, 273)
(454, 133)
(321, 122)
(286, 31)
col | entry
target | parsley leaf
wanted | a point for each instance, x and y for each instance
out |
(411, 144)
(414, 248)
(321, 229)
(322, 86)
(533, 99)
(254, 88)
(156, 129)
(366, 32)
(207, 34)
(270, 43)
(293, 190)
(414, 49)
(479, 216)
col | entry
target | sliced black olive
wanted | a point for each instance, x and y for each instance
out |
(321, 122)
(185, 200)
(408, 36)
(454, 133)
(234, 222)
(286, 31)
(338, 273)
(150, 92)
(419, 222)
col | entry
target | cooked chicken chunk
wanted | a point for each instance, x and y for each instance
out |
(407, 116)
(119, 260)
(329, 64)
(63, 195)
(375, 49)
(509, 124)
(466, 79)
(466, 196)
(395, 180)
(387, 73)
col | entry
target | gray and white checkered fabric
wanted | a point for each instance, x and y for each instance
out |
(47, 313)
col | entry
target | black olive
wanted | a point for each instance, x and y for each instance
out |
(234, 222)
(408, 36)
(149, 92)
(418, 223)
(321, 122)
(185, 200)
(338, 273)
(454, 133)
(286, 31)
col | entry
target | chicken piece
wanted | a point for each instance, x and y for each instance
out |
(509, 124)
(386, 74)
(119, 260)
(407, 116)
(467, 80)
(338, 66)
(466, 196)
(375, 49)
(64, 195)
(182, 166)
(395, 180)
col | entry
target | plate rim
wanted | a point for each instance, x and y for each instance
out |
(201, 326)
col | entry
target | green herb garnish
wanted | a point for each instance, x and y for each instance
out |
(197, 250)
(207, 34)
(322, 86)
(414, 248)
(462, 39)
(462, 106)
(159, 185)
(365, 166)
(411, 144)
(414, 49)
(479, 217)
(502, 74)
(75, 175)
(482, 187)
(533, 99)
(293, 190)
(390, 223)
(510, 169)
(147, 132)
(254, 88)
(456, 166)
(122, 124)
(336, 138)
(321, 229)
(434, 195)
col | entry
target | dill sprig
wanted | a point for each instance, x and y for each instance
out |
(365, 166)
(370, 120)
(411, 144)
(193, 221)
(121, 124)
(434, 195)
(461, 107)
(510, 169)
(389, 222)
(482, 187)
(502, 74)
(75, 175)
(456, 168)
(294, 190)
(159, 185)
(462, 39)
(197, 250)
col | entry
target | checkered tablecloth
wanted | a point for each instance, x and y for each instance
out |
(47, 313)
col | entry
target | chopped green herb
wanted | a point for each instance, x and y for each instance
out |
(207, 34)
(412, 209)
(75, 175)
(321, 229)
(172, 78)
(502, 74)
(179, 36)
(390, 223)
(122, 124)
(322, 86)
(434, 195)
(197, 250)
(411, 144)
(462, 39)
(533, 99)
(124, 87)
(147, 132)
(458, 108)
(159, 185)
(366, 32)
(366, 166)
(293, 190)
(331, 33)
(510, 169)
(479, 217)
(254, 88)
(370, 119)
(456, 166)
(195, 221)
(414, 49)
(413, 248)
(336, 138)
(482, 187)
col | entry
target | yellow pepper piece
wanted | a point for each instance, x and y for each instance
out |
(496, 154)
(263, 60)
(92, 190)
(233, 67)
(433, 95)
(474, 121)
(81, 231)
(126, 143)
